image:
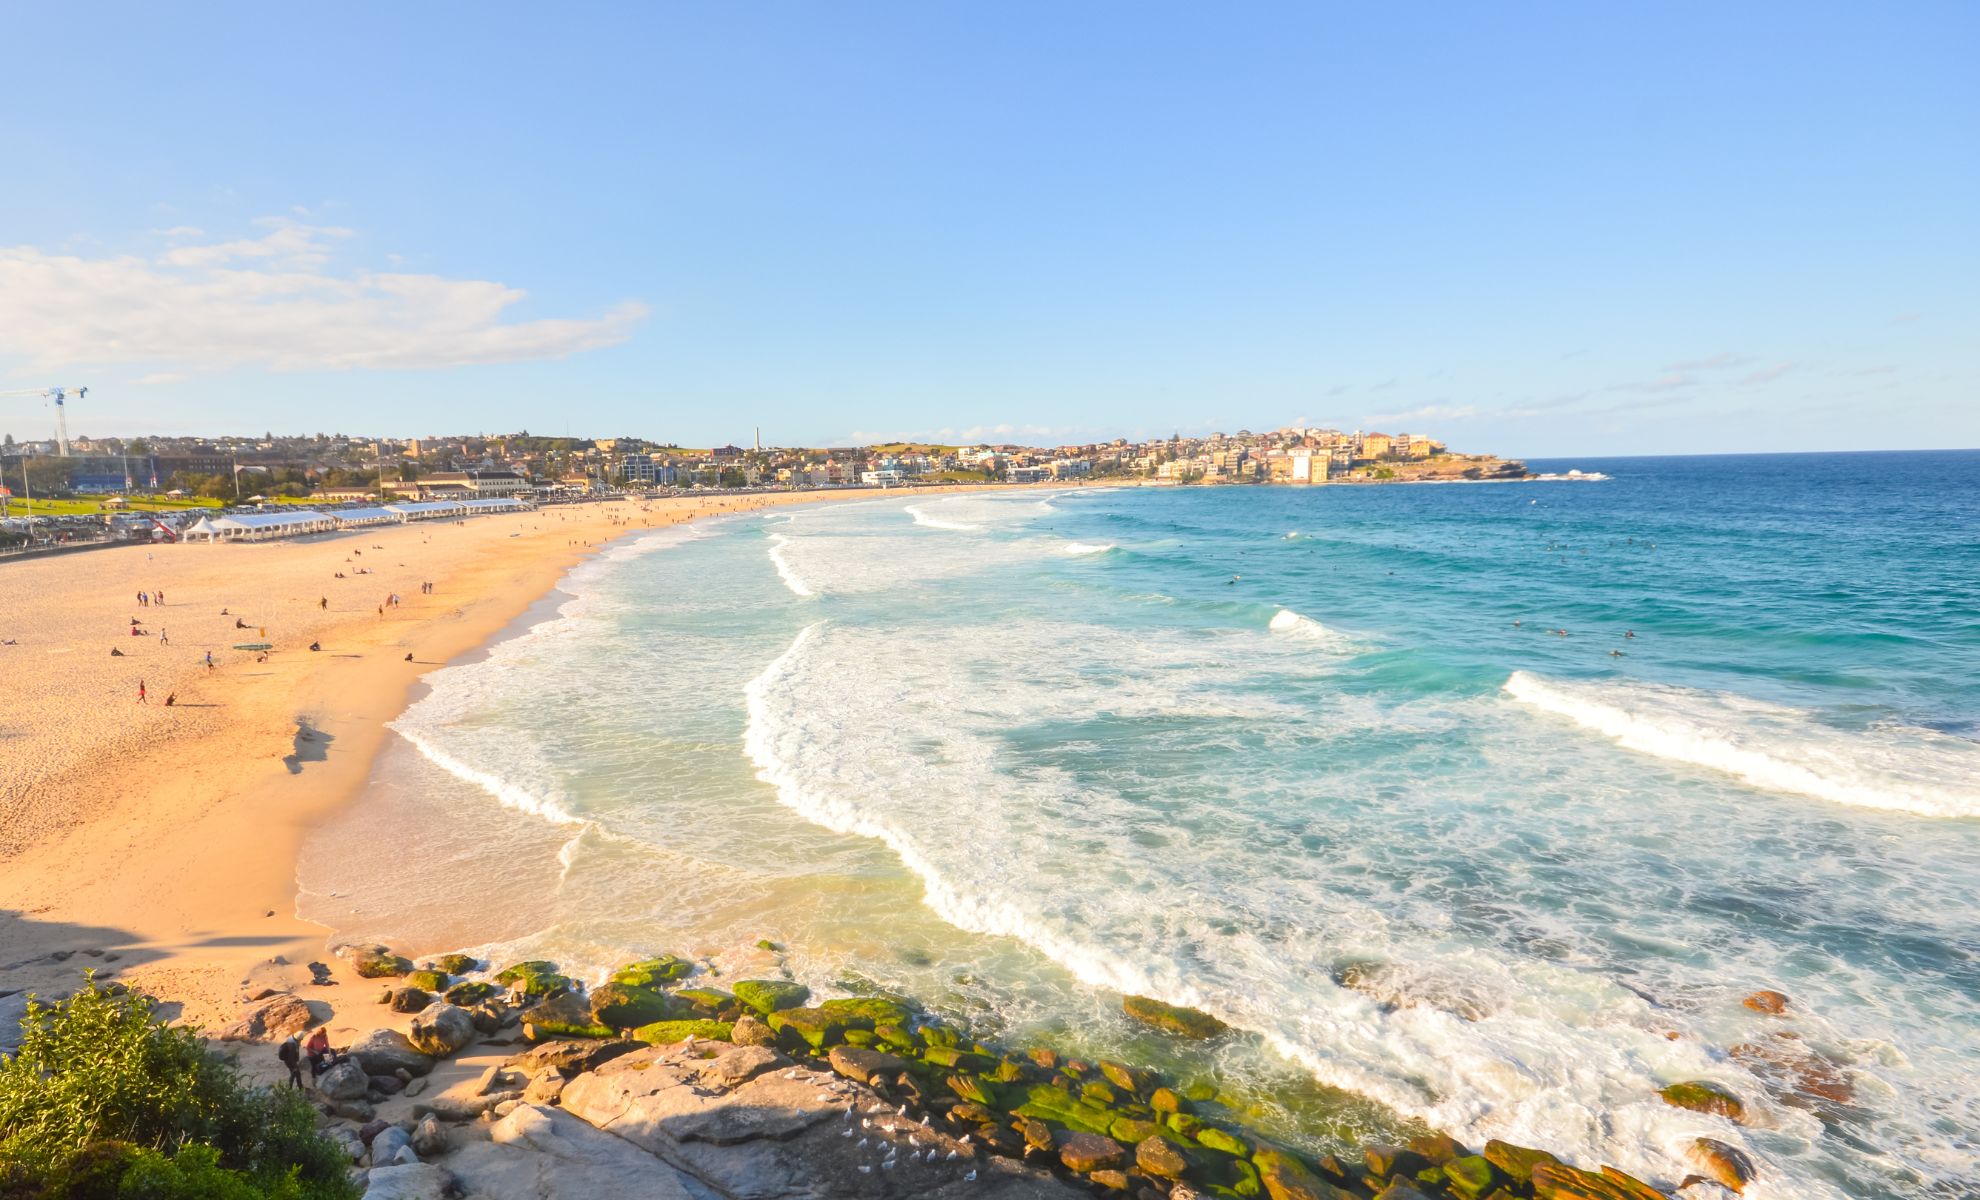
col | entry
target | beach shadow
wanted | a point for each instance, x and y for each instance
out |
(51, 959)
(311, 745)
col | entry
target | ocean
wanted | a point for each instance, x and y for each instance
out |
(1475, 807)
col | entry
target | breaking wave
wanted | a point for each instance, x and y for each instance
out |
(785, 571)
(1771, 747)
(921, 517)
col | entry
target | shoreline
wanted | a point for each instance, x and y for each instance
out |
(164, 843)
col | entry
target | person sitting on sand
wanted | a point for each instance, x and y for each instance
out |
(316, 645)
(171, 698)
(239, 624)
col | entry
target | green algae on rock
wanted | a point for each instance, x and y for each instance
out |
(621, 1006)
(1183, 1022)
(767, 996)
(662, 1033)
(432, 981)
(467, 995)
(563, 1015)
(452, 964)
(653, 972)
(1700, 1095)
(376, 962)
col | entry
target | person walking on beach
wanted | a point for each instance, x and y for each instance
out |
(209, 660)
(162, 639)
(141, 698)
(290, 1052)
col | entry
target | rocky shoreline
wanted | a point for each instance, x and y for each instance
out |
(659, 1083)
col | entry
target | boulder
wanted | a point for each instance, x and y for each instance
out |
(471, 993)
(662, 1032)
(1090, 1152)
(407, 999)
(569, 1058)
(771, 995)
(1558, 1181)
(746, 1123)
(374, 962)
(1721, 1163)
(271, 1020)
(1469, 1177)
(452, 964)
(1286, 1178)
(864, 1066)
(654, 972)
(1703, 1096)
(384, 1051)
(1518, 1162)
(345, 1081)
(1766, 1001)
(432, 981)
(440, 1029)
(385, 1146)
(626, 1006)
(1183, 1022)
(418, 1181)
(1159, 1156)
(537, 977)
(749, 1031)
(537, 1153)
(564, 1015)
(707, 1000)
(429, 1137)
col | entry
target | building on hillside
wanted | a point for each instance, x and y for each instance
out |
(1070, 468)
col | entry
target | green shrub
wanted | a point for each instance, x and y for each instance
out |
(105, 1099)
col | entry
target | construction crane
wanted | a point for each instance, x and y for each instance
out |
(60, 396)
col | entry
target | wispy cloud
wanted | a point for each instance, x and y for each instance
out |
(1716, 362)
(1427, 413)
(1005, 432)
(1669, 381)
(273, 301)
(1767, 374)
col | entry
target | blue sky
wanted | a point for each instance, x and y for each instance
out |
(1535, 229)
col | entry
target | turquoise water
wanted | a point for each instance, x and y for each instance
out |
(1017, 753)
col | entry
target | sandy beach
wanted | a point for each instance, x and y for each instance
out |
(160, 841)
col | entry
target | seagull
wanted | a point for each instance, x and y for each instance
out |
(924, 1122)
(970, 1178)
(965, 1139)
(888, 1165)
(863, 1143)
(902, 1111)
(848, 1133)
(866, 1170)
(952, 1156)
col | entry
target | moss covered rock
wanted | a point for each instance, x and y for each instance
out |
(1183, 1022)
(1047, 1103)
(1558, 1181)
(467, 995)
(867, 1012)
(621, 1006)
(1157, 1155)
(712, 1000)
(1132, 1080)
(453, 964)
(432, 981)
(1133, 1130)
(806, 1027)
(1470, 1176)
(1286, 1178)
(1223, 1141)
(665, 1033)
(536, 976)
(1164, 1100)
(975, 1089)
(653, 972)
(376, 962)
(565, 1015)
(1718, 1161)
(1699, 1095)
(1517, 1162)
(767, 996)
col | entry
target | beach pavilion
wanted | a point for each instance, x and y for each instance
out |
(259, 527)
(358, 518)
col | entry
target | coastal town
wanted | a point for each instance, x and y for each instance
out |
(141, 487)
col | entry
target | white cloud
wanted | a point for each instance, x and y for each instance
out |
(1716, 362)
(1005, 432)
(273, 301)
(1429, 412)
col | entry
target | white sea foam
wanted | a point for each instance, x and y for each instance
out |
(1076, 549)
(1540, 1053)
(785, 571)
(1288, 623)
(510, 793)
(921, 517)
(1770, 746)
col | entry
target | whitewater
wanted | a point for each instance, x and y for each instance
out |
(1475, 808)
